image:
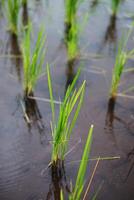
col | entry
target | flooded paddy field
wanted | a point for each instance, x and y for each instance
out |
(25, 148)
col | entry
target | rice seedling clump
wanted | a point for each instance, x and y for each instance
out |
(33, 59)
(12, 8)
(70, 107)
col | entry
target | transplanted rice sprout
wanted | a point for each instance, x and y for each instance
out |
(33, 59)
(24, 2)
(120, 62)
(115, 6)
(72, 42)
(12, 8)
(73, 28)
(62, 128)
(79, 185)
(71, 7)
(121, 59)
(71, 25)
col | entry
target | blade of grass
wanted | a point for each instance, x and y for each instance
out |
(51, 95)
(82, 169)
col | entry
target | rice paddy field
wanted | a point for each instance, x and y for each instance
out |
(66, 70)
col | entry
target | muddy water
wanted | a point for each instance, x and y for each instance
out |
(25, 151)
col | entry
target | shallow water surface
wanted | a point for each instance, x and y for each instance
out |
(25, 151)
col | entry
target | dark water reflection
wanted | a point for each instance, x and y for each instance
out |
(58, 181)
(130, 159)
(25, 14)
(16, 53)
(110, 112)
(70, 73)
(33, 115)
(111, 32)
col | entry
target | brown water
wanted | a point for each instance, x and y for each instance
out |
(25, 151)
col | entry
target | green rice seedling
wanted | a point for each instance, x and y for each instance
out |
(71, 28)
(79, 185)
(80, 180)
(62, 129)
(121, 59)
(70, 10)
(12, 8)
(33, 58)
(71, 7)
(115, 6)
(24, 2)
(72, 42)
(120, 62)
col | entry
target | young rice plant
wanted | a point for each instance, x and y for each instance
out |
(79, 185)
(62, 129)
(12, 8)
(72, 28)
(71, 31)
(121, 59)
(80, 180)
(71, 7)
(115, 6)
(33, 58)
